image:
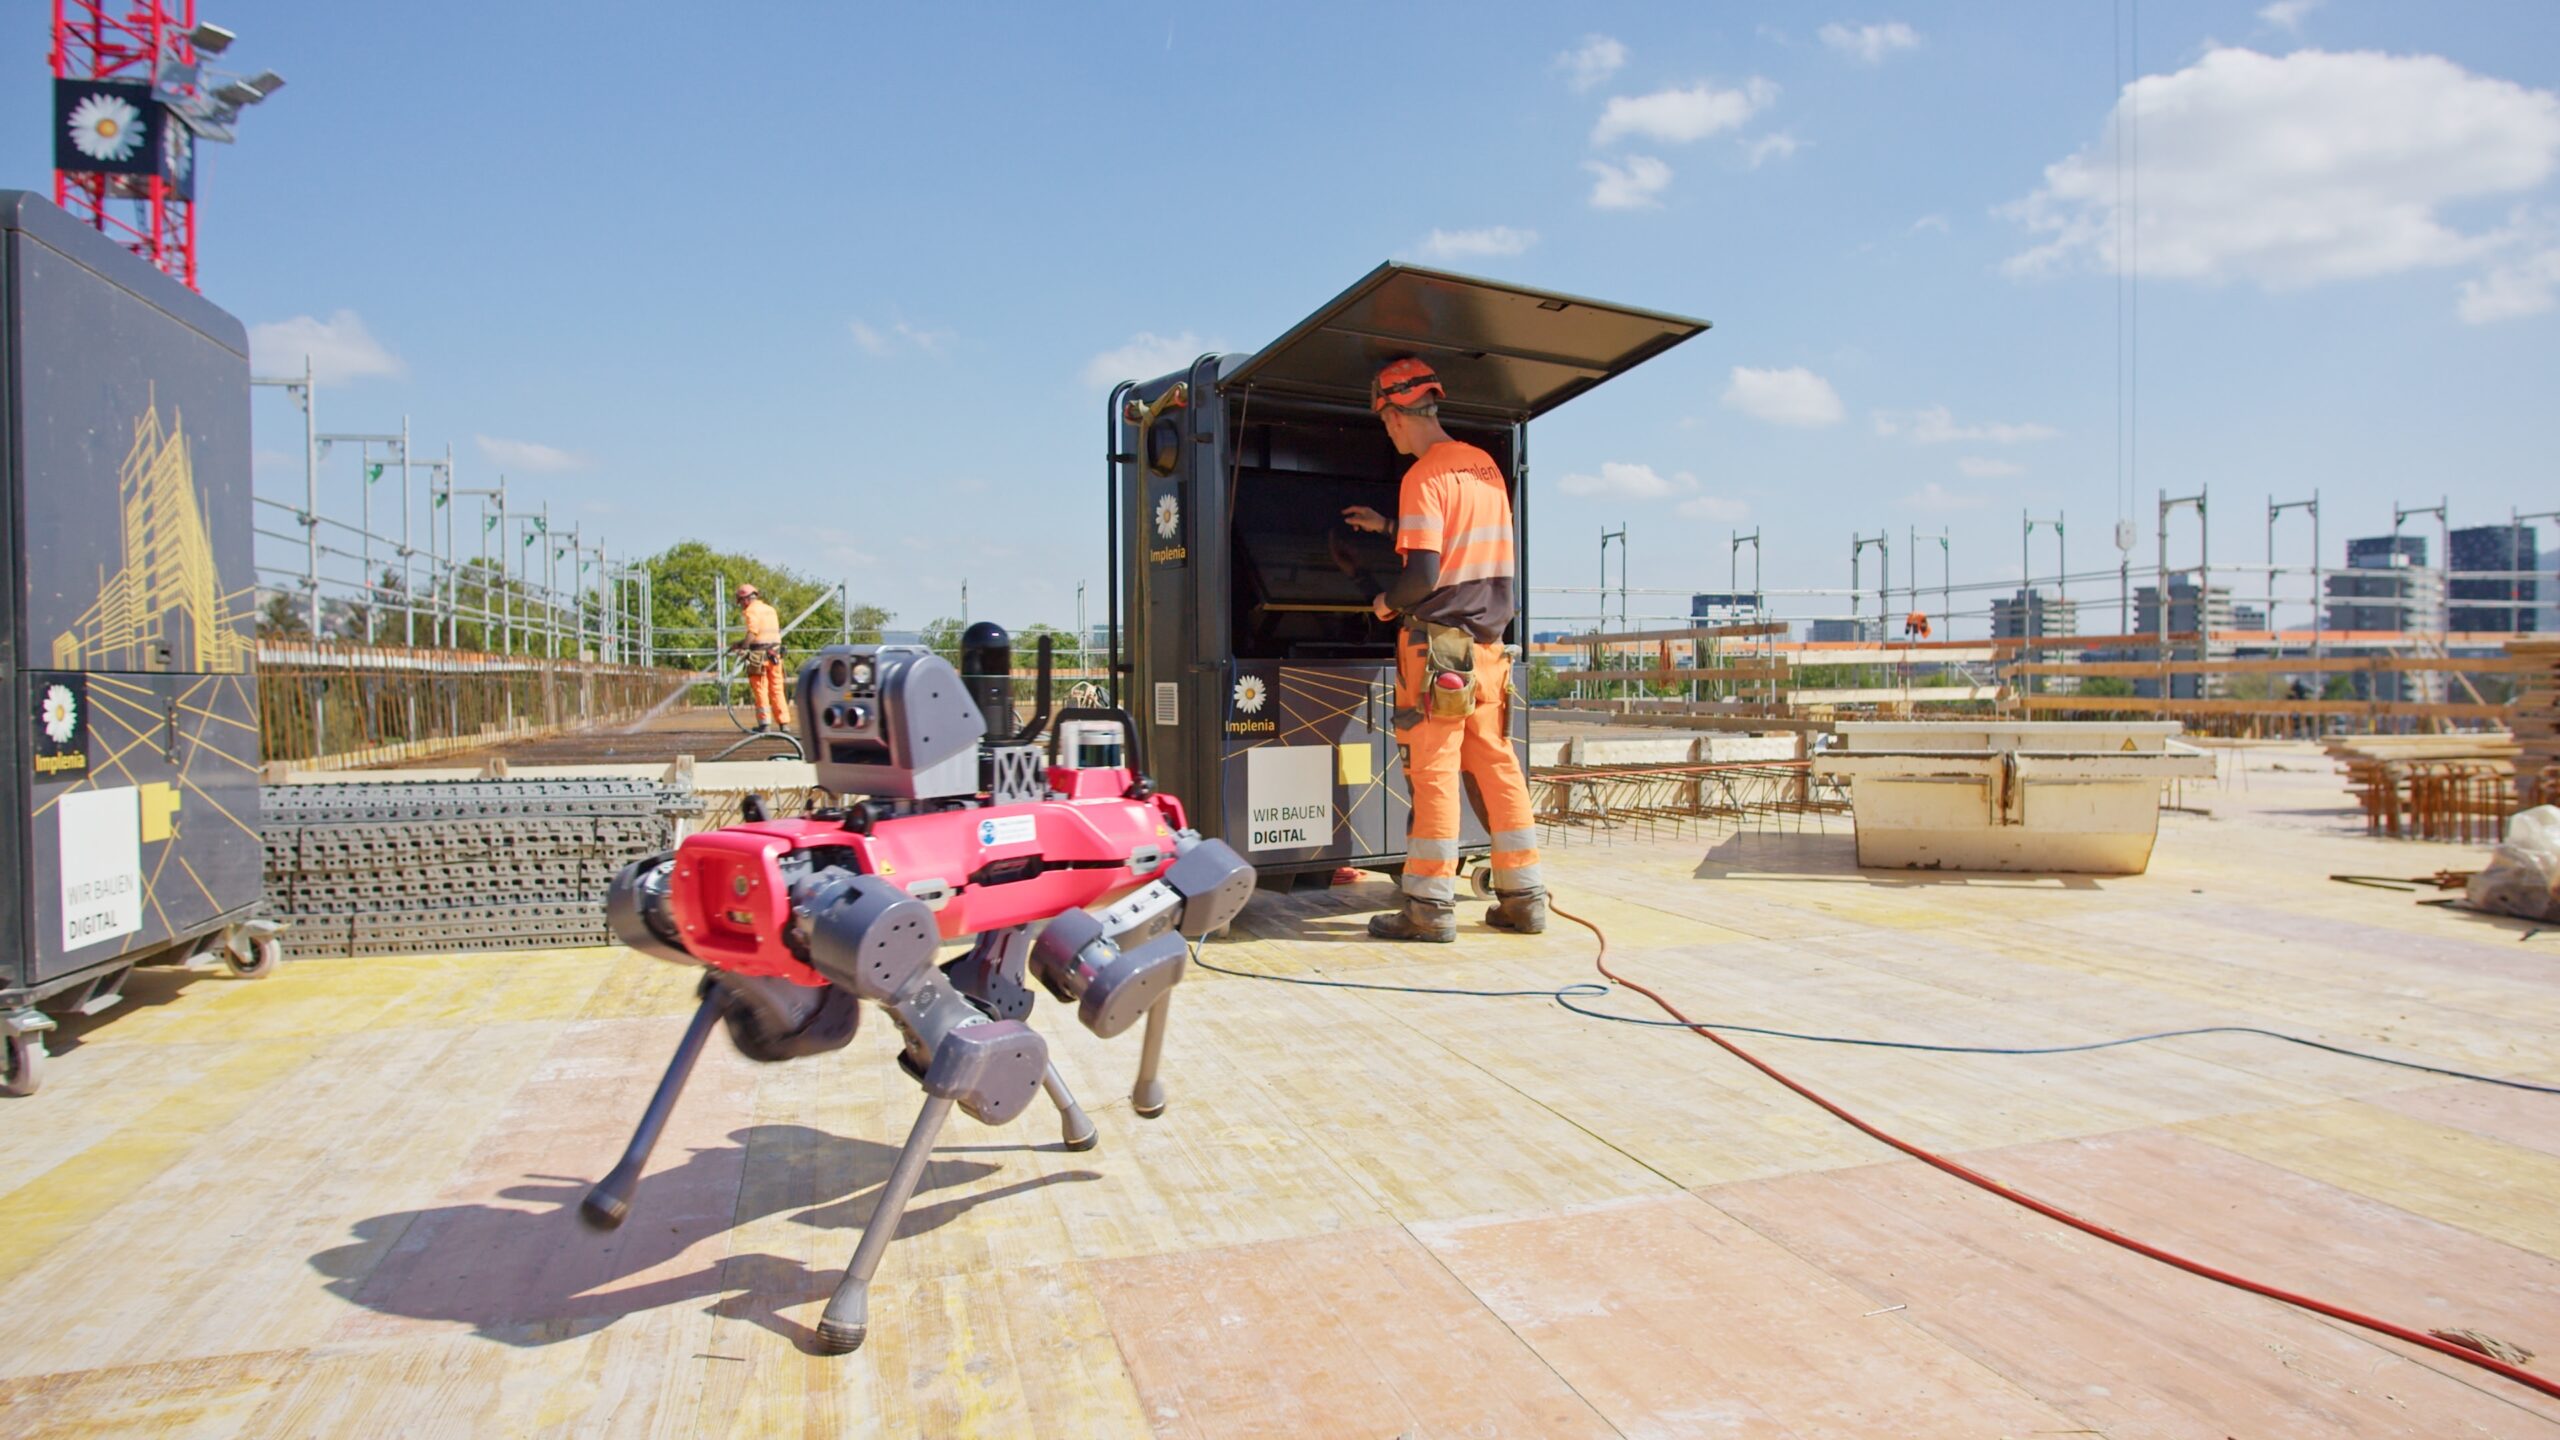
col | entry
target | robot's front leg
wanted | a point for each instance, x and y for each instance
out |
(1074, 1126)
(989, 1068)
(610, 1200)
(1147, 1096)
(1123, 961)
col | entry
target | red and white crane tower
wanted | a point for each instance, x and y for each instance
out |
(134, 92)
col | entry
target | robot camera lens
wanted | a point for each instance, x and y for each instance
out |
(835, 717)
(861, 672)
(838, 674)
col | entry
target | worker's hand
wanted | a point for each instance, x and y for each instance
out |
(1380, 608)
(1361, 517)
(1340, 550)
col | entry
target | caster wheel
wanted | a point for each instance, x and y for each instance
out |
(1480, 880)
(24, 1065)
(263, 957)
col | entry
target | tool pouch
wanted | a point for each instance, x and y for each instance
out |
(760, 658)
(1448, 651)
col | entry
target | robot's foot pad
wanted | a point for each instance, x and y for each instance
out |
(1145, 1113)
(603, 1212)
(1087, 1141)
(835, 1339)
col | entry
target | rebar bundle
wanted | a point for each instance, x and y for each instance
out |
(429, 866)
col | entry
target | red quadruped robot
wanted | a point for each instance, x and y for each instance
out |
(955, 835)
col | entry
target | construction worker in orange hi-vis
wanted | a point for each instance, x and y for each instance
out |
(1453, 598)
(1915, 626)
(760, 641)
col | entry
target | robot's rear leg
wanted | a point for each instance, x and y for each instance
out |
(1074, 1125)
(610, 1200)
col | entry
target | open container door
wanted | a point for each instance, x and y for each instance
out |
(1305, 673)
(1505, 351)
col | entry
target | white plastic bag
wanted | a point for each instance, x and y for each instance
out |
(2523, 877)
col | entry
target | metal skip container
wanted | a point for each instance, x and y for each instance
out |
(2077, 797)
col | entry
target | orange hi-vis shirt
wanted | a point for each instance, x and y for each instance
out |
(763, 626)
(1454, 502)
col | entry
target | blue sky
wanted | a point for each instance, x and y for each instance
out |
(844, 285)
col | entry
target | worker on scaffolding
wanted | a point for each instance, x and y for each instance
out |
(759, 643)
(1915, 626)
(1453, 677)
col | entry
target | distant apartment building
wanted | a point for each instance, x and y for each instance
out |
(1839, 632)
(2186, 607)
(2387, 585)
(2493, 548)
(2217, 609)
(2547, 614)
(1725, 608)
(2376, 552)
(2032, 612)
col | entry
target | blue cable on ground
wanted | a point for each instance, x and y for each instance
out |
(1565, 995)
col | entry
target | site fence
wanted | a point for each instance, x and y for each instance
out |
(334, 705)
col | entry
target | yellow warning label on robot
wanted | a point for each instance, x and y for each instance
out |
(2128, 742)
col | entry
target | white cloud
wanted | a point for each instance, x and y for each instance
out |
(1776, 145)
(1795, 396)
(1983, 467)
(1934, 496)
(1676, 117)
(529, 456)
(1146, 356)
(340, 349)
(1714, 507)
(2287, 14)
(1937, 425)
(1490, 241)
(1628, 482)
(1930, 222)
(2512, 290)
(1594, 60)
(2294, 170)
(1636, 185)
(1869, 44)
(900, 334)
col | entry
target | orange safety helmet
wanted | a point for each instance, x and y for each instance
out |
(1404, 384)
(747, 592)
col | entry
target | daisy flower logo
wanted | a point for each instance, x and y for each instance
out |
(1250, 694)
(61, 714)
(106, 128)
(1168, 516)
(177, 152)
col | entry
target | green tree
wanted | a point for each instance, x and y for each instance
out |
(2106, 686)
(690, 585)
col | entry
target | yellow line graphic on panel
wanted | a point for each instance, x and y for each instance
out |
(165, 607)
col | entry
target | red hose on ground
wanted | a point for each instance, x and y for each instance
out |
(2052, 1212)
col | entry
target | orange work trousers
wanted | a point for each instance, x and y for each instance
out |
(764, 681)
(1440, 755)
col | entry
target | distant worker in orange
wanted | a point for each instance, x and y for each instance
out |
(1453, 677)
(760, 641)
(1915, 626)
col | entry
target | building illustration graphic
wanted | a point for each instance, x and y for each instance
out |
(165, 608)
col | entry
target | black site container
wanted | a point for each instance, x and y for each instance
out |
(1246, 653)
(129, 799)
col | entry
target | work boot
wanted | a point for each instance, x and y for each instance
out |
(1522, 912)
(1434, 922)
